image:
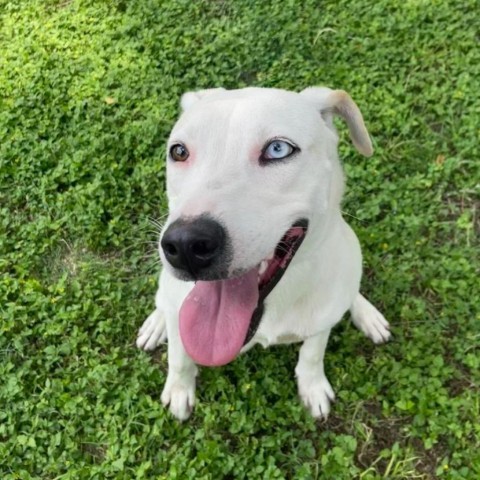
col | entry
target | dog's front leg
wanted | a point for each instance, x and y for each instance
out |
(313, 387)
(179, 390)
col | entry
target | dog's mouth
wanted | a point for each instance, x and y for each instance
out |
(217, 318)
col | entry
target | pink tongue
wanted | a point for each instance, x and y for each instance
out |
(215, 317)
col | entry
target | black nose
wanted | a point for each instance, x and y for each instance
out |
(193, 245)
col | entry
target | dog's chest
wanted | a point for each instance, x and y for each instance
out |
(275, 328)
(284, 338)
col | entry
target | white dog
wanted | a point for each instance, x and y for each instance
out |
(255, 249)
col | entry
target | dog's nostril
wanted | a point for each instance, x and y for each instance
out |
(170, 249)
(203, 248)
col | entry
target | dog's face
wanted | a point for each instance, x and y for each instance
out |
(257, 163)
(248, 172)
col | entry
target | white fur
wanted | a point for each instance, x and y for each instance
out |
(224, 132)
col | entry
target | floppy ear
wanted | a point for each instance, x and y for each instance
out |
(190, 98)
(338, 102)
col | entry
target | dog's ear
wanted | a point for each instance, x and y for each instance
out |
(338, 102)
(190, 98)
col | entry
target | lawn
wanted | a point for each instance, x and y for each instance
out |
(88, 93)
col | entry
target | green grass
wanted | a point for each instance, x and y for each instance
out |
(88, 93)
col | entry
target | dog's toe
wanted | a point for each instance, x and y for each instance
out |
(153, 332)
(376, 327)
(370, 321)
(316, 394)
(181, 399)
(380, 331)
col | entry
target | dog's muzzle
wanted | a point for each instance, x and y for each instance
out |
(217, 317)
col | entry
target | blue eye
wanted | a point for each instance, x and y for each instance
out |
(277, 150)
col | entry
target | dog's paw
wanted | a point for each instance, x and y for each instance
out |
(316, 394)
(153, 331)
(370, 321)
(180, 396)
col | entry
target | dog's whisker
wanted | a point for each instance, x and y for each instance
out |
(353, 216)
(152, 268)
(139, 246)
(158, 222)
(156, 228)
(154, 233)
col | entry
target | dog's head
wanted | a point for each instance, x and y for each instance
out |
(249, 173)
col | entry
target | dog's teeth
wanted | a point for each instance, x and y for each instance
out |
(263, 267)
